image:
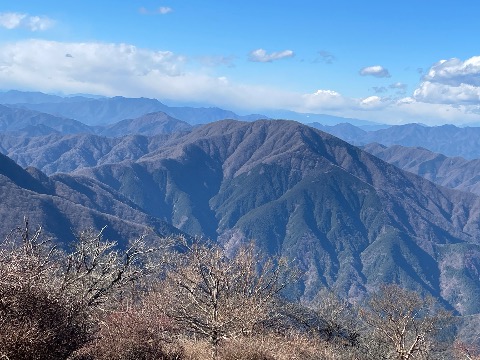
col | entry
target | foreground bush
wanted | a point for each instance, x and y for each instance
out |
(96, 303)
(36, 323)
(133, 334)
(52, 302)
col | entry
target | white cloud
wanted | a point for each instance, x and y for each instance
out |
(455, 72)
(376, 70)
(451, 82)
(10, 20)
(164, 10)
(80, 67)
(371, 101)
(323, 100)
(261, 55)
(433, 92)
(123, 69)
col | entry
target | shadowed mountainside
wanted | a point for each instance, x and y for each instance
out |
(63, 205)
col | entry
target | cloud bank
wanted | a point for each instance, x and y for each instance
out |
(121, 69)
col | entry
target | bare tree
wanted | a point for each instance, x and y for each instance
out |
(51, 301)
(404, 322)
(96, 268)
(220, 297)
(36, 320)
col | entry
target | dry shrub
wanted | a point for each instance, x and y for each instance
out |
(196, 349)
(266, 347)
(133, 334)
(37, 324)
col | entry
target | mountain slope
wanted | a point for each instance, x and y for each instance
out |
(149, 125)
(63, 205)
(453, 172)
(351, 220)
(17, 120)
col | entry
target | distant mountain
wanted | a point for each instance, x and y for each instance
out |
(64, 204)
(20, 97)
(29, 122)
(56, 153)
(345, 131)
(351, 220)
(323, 119)
(446, 139)
(150, 124)
(453, 172)
(105, 111)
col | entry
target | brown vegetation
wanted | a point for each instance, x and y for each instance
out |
(97, 302)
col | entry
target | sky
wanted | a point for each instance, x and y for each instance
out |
(392, 62)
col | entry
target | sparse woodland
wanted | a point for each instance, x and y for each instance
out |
(191, 299)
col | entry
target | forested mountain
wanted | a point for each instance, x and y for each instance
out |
(63, 205)
(351, 220)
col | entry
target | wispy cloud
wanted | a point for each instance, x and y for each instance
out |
(325, 57)
(376, 70)
(216, 60)
(398, 86)
(379, 89)
(261, 55)
(12, 20)
(162, 10)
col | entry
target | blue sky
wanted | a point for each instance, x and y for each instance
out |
(387, 61)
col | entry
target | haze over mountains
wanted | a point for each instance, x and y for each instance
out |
(350, 219)
(104, 111)
(449, 140)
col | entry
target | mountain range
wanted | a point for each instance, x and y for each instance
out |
(348, 219)
(105, 110)
(63, 205)
(449, 140)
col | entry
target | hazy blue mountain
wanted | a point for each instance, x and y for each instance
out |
(105, 111)
(446, 139)
(99, 111)
(453, 172)
(323, 119)
(150, 124)
(29, 122)
(64, 204)
(20, 97)
(345, 131)
(352, 220)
